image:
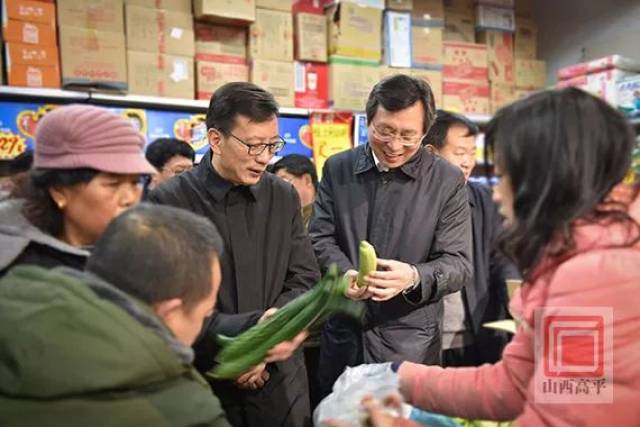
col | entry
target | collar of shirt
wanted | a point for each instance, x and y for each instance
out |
(379, 165)
(215, 184)
(366, 159)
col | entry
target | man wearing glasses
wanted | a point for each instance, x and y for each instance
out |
(413, 208)
(268, 259)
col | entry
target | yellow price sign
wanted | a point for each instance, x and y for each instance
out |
(329, 139)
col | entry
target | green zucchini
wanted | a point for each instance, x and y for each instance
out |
(368, 261)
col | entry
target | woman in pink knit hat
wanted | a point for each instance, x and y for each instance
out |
(574, 232)
(87, 169)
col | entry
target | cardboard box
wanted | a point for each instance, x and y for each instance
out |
(355, 31)
(28, 54)
(427, 10)
(520, 93)
(600, 64)
(283, 5)
(459, 26)
(225, 11)
(159, 31)
(501, 95)
(271, 36)
(157, 74)
(603, 84)
(499, 55)
(401, 5)
(397, 39)
(93, 58)
(174, 5)
(466, 61)
(509, 4)
(216, 43)
(310, 37)
(29, 33)
(495, 18)
(530, 73)
(427, 44)
(311, 85)
(434, 78)
(30, 11)
(628, 100)
(28, 75)
(465, 97)
(102, 15)
(376, 4)
(276, 77)
(525, 39)
(211, 75)
(350, 81)
(464, 6)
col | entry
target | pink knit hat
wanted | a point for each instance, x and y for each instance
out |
(85, 136)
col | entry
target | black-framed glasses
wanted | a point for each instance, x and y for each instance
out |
(274, 146)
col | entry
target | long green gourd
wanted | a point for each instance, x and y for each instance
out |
(368, 261)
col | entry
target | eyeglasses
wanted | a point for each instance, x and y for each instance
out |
(389, 135)
(256, 149)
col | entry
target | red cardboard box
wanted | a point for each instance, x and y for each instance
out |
(311, 85)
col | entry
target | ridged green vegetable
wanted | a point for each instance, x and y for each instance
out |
(251, 347)
(368, 261)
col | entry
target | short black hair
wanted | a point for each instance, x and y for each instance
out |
(239, 98)
(161, 150)
(156, 253)
(397, 92)
(297, 165)
(437, 135)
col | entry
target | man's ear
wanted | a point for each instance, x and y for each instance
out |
(167, 310)
(430, 148)
(306, 179)
(214, 137)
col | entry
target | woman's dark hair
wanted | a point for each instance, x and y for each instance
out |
(39, 208)
(563, 152)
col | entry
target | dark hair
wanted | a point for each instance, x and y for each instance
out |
(160, 151)
(239, 98)
(297, 165)
(21, 163)
(397, 92)
(156, 253)
(563, 152)
(437, 135)
(39, 208)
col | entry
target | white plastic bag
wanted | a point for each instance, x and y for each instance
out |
(343, 404)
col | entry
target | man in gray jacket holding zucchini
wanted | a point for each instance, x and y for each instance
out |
(412, 207)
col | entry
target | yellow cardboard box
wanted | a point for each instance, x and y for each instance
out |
(271, 36)
(310, 37)
(276, 77)
(157, 74)
(530, 73)
(350, 82)
(355, 31)
(159, 31)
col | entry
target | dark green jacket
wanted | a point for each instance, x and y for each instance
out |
(76, 351)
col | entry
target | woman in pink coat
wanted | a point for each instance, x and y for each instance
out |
(574, 232)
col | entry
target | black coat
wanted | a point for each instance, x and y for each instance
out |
(267, 261)
(418, 214)
(485, 296)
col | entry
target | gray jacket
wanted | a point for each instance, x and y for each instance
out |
(418, 214)
(23, 243)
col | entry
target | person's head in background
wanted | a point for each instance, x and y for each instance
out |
(453, 137)
(242, 130)
(171, 157)
(11, 171)
(300, 171)
(138, 254)
(400, 111)
(558, 156)
(87, 169)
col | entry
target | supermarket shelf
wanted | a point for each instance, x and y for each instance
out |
(31, 93)
(149, 102)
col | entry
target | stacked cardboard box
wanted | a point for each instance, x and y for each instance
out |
(310, 51)
(427, 33)
(530, 73)
(30, 46)
(92, 43)
(601, 77)
(225, 12)
(221, 57)
(459, 21)
(350, 81)
(501, 63)
(465, 84)
(271, 53)
(160, 49)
